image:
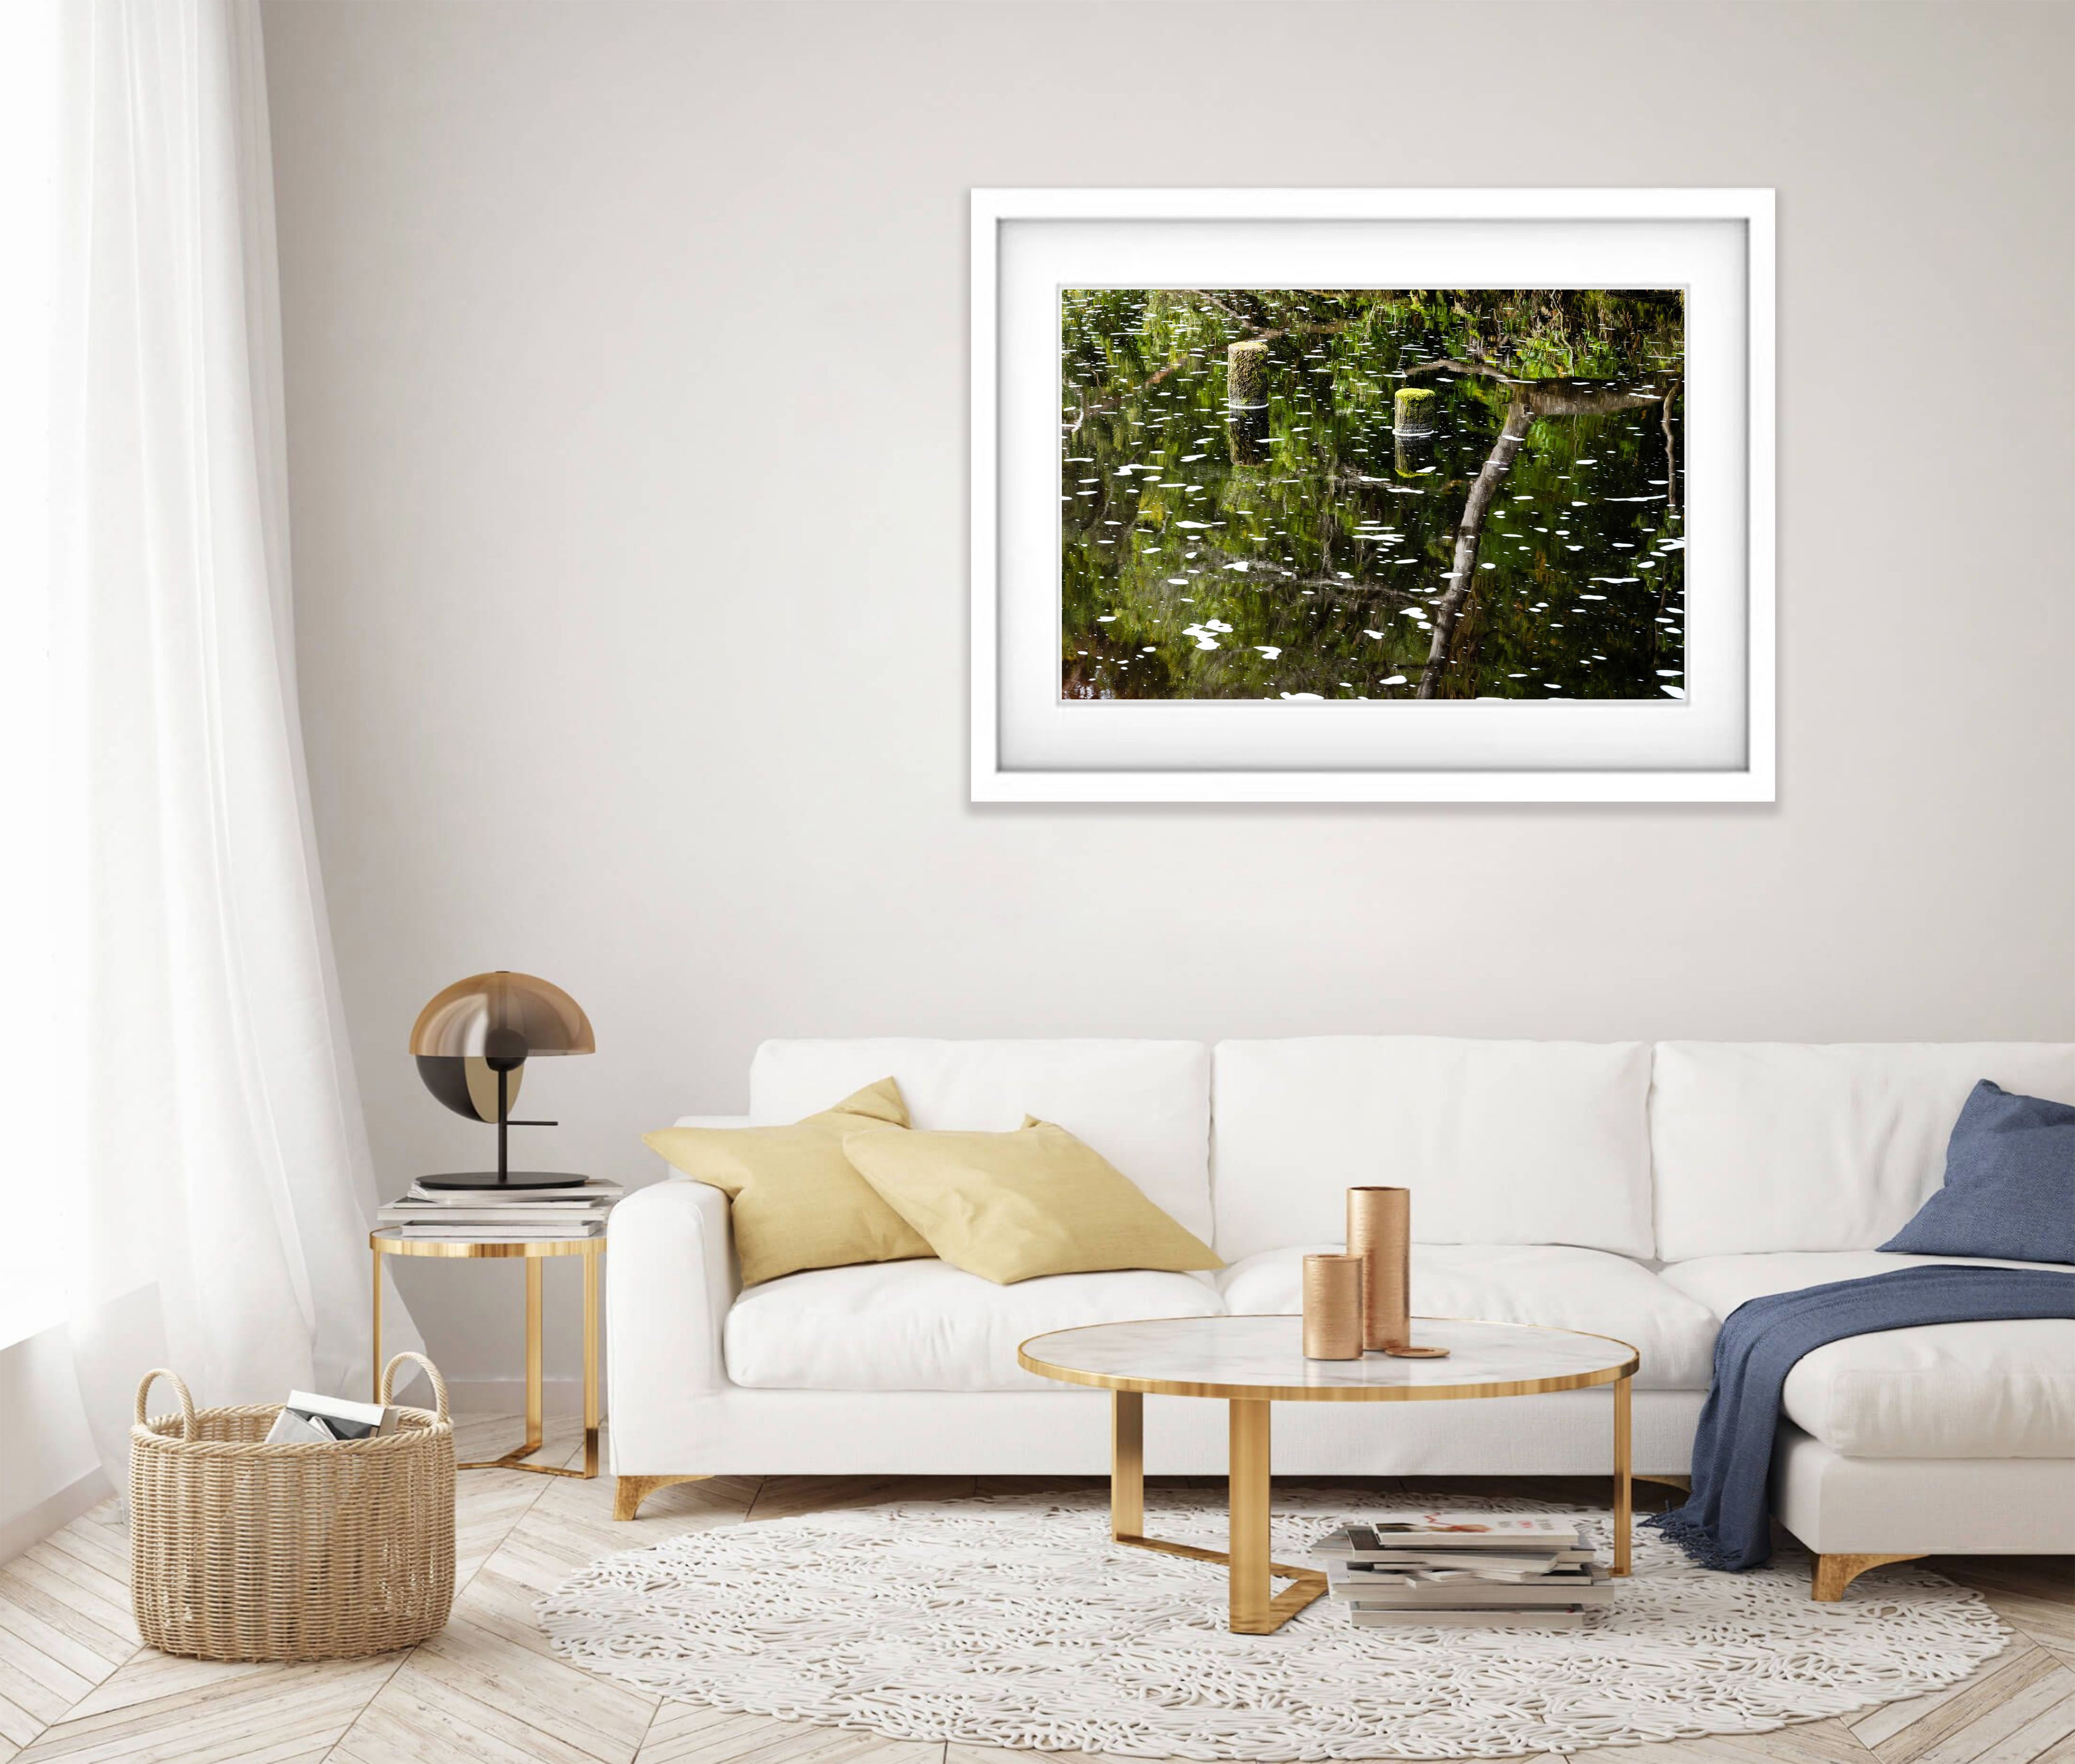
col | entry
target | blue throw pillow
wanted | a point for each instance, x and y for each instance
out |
(2010, 1183)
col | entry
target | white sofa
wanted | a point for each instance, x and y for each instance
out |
(1633, 1191)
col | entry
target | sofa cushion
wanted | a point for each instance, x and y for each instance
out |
(795, 1199)
(1674, 1336)
(1019, 1206)
(2010, 1182)
(928, 1326)
(1513, 1142)
(2003, 1390)
(1761, 1147)
(1145, 1106)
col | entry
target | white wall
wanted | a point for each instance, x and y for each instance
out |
(626, 359)
(49, 1471)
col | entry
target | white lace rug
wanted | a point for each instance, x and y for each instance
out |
(1015, 1621)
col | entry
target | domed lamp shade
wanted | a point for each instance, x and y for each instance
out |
(472, 1042)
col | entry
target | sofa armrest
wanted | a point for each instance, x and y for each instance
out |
(672, 1279)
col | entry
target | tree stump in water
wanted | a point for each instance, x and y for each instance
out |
(1246, 374)
(1246, 429)
(1413, 411)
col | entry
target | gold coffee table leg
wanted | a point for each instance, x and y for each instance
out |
(1127, 1466)
(1255, 1608)
(1246, 1500)
(1624, 1488)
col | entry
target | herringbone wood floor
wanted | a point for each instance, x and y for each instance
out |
(75, 1685)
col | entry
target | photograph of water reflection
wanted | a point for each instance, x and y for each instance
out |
(1373, 495)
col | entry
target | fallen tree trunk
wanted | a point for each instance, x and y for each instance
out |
(1468, 532)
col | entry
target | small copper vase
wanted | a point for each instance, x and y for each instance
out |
(1380, 1232)
(1332, 1307)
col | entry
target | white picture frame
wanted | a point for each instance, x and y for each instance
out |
(1718, 745)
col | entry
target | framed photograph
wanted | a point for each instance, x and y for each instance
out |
(1372, 495)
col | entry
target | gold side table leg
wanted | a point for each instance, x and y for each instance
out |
(1127, 1465)
(536, 1403)
(590, 1365)
(1624, 1484)
(375, 1312)
(536, 1359)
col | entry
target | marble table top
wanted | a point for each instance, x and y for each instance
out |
(1263, 1357)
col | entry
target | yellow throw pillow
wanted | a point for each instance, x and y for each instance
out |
(1010, 1206)
(795, 1199)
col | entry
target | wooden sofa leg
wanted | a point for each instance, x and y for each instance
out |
(630, 1491)
(1834, 1573)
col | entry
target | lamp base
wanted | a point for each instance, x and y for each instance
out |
(489, 1180)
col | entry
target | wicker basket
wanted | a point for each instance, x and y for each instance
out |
(244, 1551)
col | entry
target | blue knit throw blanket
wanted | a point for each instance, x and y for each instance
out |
(1726, 1521)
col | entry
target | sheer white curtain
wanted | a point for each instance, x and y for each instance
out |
(209, 1135)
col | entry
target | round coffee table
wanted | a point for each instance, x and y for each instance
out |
(1253, 1361)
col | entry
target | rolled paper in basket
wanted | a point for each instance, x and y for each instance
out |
(1332, 1307)
(1380, 1232)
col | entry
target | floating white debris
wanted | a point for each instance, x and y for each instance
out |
(1177, 582)
(1207, 643)
(1487, 566)
(1395, 680)
(1106, 618)
(1241, 568)
(1592, 597)
(1298, 698)
(1676, 692)
(1268, 649)
(1377, 634)
(1589, 462)
(1192, 526)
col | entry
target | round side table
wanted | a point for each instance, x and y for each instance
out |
(1252, 1362)
(393, 1242)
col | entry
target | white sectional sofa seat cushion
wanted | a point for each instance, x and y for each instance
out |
(1145, 1106)
(928, 1326)
(1761, 1146)
(2002, 1389)
(1501, 1142)
(1673, 1335)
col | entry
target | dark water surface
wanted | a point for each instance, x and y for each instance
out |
(1300, 548)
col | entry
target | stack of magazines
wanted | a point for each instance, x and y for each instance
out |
(308, 1420)
(578, 1209)
(1528, 1571)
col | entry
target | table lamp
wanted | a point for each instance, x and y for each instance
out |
(472, 1042)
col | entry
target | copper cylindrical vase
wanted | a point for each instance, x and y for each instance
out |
(1332, 1307)
(1380, 1232)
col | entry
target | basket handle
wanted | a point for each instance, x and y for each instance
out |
(431, 1372)
(179, 1391)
